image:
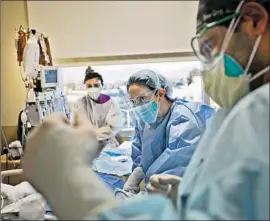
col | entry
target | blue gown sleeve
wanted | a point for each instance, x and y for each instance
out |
(136, 148)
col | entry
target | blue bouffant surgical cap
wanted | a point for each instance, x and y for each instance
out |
(151, 79)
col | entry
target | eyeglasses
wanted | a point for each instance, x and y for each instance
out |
(143, 99)
(205, 50)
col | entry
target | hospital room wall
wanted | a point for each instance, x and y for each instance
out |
(95, 29)
(13, 14)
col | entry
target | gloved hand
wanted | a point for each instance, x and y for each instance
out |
(58, 164)
(105, 133)
(134, 180)
(105, 130)
(165, 184)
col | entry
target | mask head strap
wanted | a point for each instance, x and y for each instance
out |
(235, 21)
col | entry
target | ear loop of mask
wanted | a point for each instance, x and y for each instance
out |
(252, 55)
(158, 102)
(154, 94)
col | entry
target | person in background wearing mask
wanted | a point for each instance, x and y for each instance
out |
(228, 176)
(167, 130)
(102, 112)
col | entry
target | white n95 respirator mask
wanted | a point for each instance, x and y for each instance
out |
(225, 80)
(94, 93)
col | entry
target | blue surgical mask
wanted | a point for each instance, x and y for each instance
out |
(232, 67)
(148, 112)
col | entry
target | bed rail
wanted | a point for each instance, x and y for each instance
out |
(7, 173)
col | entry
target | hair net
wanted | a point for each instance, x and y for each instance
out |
(151, 79)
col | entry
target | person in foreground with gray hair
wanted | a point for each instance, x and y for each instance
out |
(167, 130)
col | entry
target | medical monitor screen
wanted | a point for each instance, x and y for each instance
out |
(50, 76)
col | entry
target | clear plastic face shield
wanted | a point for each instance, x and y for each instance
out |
(225, 80)
(145, 107)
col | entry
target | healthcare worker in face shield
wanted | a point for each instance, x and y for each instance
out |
(228, 176)
(167, 130)
(102, 112)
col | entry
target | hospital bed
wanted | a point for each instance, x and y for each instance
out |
(112, 165)
(8, 173)
(21, 202)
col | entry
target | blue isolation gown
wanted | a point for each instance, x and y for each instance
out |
(228, 176)
(166, 146)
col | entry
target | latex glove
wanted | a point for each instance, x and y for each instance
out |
(105, 133)
(58, 164)
(134, 180)
(165, 184)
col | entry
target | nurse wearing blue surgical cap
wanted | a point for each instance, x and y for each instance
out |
(167, 130)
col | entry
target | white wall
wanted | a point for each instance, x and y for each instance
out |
(109, 28)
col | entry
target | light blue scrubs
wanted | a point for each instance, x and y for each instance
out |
(228, 176)
(167, 145)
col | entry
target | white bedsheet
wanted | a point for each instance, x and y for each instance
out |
(15, 193)
(23, 199)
